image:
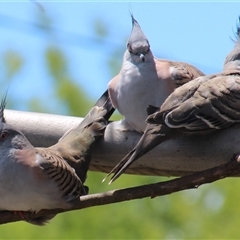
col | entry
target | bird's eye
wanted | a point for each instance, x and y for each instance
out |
(129, 47)
(3, 136)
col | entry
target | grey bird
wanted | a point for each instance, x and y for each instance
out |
(203, 105)
(145, 80)
(32, 178)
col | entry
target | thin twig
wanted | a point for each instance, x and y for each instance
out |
(228, 169)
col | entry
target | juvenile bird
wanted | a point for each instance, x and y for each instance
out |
(205, 104)
(32, 179)
(145, 80)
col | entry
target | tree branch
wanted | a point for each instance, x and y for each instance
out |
(228, 169)
(181, 155)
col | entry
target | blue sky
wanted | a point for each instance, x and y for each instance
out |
(196, 32)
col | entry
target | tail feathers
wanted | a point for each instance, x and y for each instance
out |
(105, 103)
(102, 100)
(153, 136)
(125, 163)
(40, 221)
(120, 167)
(108, 108)
(102, 108)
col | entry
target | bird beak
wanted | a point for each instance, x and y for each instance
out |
(142, 57)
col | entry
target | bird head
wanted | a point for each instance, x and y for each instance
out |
(234, 55)
(9, 136)
(4, 127)
(138, 44)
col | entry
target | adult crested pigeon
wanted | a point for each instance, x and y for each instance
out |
(145, 80)
(205, 104)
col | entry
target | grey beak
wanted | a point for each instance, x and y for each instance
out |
(142, 56)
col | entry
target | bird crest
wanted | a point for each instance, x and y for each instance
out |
(234, 55)
(2, 107)
(137, 43)
(237, 33)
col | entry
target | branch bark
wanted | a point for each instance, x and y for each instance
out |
(228, 169)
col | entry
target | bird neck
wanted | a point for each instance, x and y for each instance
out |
(74, 143)
(232, 67)
(234, 55)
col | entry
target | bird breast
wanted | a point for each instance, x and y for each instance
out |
(138, 87)
(24, 188)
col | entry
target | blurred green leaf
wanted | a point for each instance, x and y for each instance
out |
(65, 88)
(12, 63)
(100, 29)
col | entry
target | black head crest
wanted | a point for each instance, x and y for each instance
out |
(2, 107)
(137, 43)
(134, 21)
(238, 29)
(234, 55)
(237, 32)
(135, 24)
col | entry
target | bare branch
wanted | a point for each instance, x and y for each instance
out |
(228, 169)
(179, 156)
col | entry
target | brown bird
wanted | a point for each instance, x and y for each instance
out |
(145, 80)
(32, 178)
(75, 145)
(205, 104)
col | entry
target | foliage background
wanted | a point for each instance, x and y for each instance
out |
(208, 212)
